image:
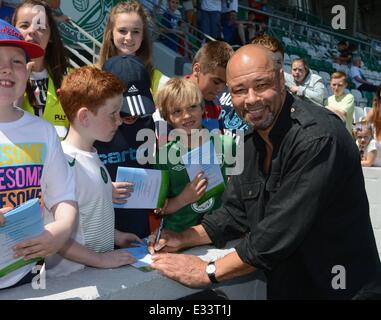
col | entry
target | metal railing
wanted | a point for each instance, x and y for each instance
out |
(93, 50)
(193, 37)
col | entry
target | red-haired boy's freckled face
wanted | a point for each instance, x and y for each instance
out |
(13, 74)
(32, 32)
(106, 121)
(128, 33)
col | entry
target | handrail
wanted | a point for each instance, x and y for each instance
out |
(87, 49)
(173, 41)
(86, 34)
(78, 55)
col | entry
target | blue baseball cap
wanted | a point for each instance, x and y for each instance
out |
(9, 35)
(131, 71)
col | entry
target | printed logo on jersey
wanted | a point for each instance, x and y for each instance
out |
(133, 89)
(203, 207)
(178, 167)
(20, 172)
(90, 15)
(72, 162)
(135, 104)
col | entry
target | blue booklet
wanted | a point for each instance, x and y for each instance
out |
(22, 223)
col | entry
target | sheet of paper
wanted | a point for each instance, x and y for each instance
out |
(150, 187)
(21, 223)
(142, 256)
(204, 159)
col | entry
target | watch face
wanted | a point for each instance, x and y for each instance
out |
(211, 268)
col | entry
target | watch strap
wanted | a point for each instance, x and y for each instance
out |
(212, 276)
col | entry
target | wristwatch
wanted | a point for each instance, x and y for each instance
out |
(211, 272)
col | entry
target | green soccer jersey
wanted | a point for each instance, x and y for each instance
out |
(191, 215)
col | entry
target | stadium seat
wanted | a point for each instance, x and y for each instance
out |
(359, 100)
(358, 114)
(366, 110)
(326, 77)
(287, 59)
(287, 68)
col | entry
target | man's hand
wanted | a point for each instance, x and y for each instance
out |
(169, 241)
(186, 269)
(121, 191)
(4, 211)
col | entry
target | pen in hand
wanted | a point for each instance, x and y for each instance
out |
(158, 234)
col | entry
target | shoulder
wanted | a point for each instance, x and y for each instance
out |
(314, 121)
(288, 76)
(349, 97)
(316, 78)
(371, 146)
(40, 124)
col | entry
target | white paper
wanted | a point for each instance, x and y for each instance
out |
(204, 159)
(147, 186)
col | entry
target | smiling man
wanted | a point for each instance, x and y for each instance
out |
(297, 205)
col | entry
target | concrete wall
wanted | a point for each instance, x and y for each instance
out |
(372, 178)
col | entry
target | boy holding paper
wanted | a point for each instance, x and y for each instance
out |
(180, 102)
(92, 101)
(32, 164)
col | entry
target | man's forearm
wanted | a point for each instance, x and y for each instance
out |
(231, 266)
(195, 236)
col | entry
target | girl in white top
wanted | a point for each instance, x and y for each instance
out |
(370, 156)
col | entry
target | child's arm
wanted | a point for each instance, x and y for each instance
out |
(124, 239)
(121, 191)
(79, 253)
(370, 159)
(193, 191)
(55, 235)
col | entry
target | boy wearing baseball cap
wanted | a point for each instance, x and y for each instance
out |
(122, 150)
(32, 164)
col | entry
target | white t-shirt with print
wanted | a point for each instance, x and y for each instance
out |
(32, 164)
